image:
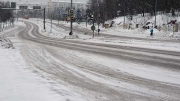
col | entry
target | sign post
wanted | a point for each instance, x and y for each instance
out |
(173, 22)
(44, 19)
(59, 12)
(93, 28)
(98, 23)
(71, 33)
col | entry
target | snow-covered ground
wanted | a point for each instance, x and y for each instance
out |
(61, 33)
(169, 46)
(22, 81)
(19, 83)
(117, 29)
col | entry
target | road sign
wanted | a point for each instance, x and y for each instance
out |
(92, 17)
(79, 12)
(93, 28)
(13, 4)
(23, 7)
(36, 7)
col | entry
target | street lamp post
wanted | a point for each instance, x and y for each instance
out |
(37, 15)
(98, 16)
(58, 12)
(155, 12)
(44, 19)
(22, 14)
(124, 15)
(51, 23)
(71, 33)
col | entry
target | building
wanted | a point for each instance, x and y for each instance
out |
(67, 4)
(62, 8)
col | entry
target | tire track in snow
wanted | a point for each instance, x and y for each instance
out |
(70, 77)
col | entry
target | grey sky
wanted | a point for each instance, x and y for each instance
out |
(40, 1)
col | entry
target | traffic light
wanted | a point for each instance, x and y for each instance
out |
(92, 17)
(72, 14)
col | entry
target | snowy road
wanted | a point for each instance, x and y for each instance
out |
(104, 72)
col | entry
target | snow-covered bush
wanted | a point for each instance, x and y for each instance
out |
(6, 43)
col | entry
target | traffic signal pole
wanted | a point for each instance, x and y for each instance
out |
(51, 24)
(37, 15)
(86, 20)
(71, 33)
(93, 25)
(124, 15)
(98, 16)
(155, 12)
(44, 19)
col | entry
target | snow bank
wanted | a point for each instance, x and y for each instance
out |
(74, 36)
(20, 83)
(6, 43)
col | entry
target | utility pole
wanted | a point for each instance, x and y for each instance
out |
(58, 13)
(37, 15)
(105, 12)
(86, 19)
(44, 18)
(58, 19)
(71, 33)
(98, 16)
(22, 13)
(93, 26)
(155, 12)
(124, 15)
(51, 24)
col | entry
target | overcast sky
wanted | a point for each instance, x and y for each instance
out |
(40, 1)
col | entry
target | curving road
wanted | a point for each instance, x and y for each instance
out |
(64, 61)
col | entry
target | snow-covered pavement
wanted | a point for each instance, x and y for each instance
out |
(20, 81)
(48, 70)
(173, 45)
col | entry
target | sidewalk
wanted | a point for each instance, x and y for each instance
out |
(19, 83)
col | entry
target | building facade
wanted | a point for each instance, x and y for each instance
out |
(62, 8)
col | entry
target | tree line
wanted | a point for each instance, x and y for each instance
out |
(109, 9)
(5, 14)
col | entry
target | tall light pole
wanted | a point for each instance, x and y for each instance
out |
(155, 12)
(44, 18)
(124, 15)
(51, 24)
(71, 33)
(37, 14)
(50, 9)
(58, 12)
(98, 16)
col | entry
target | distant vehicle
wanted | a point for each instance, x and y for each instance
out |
(26, 17)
